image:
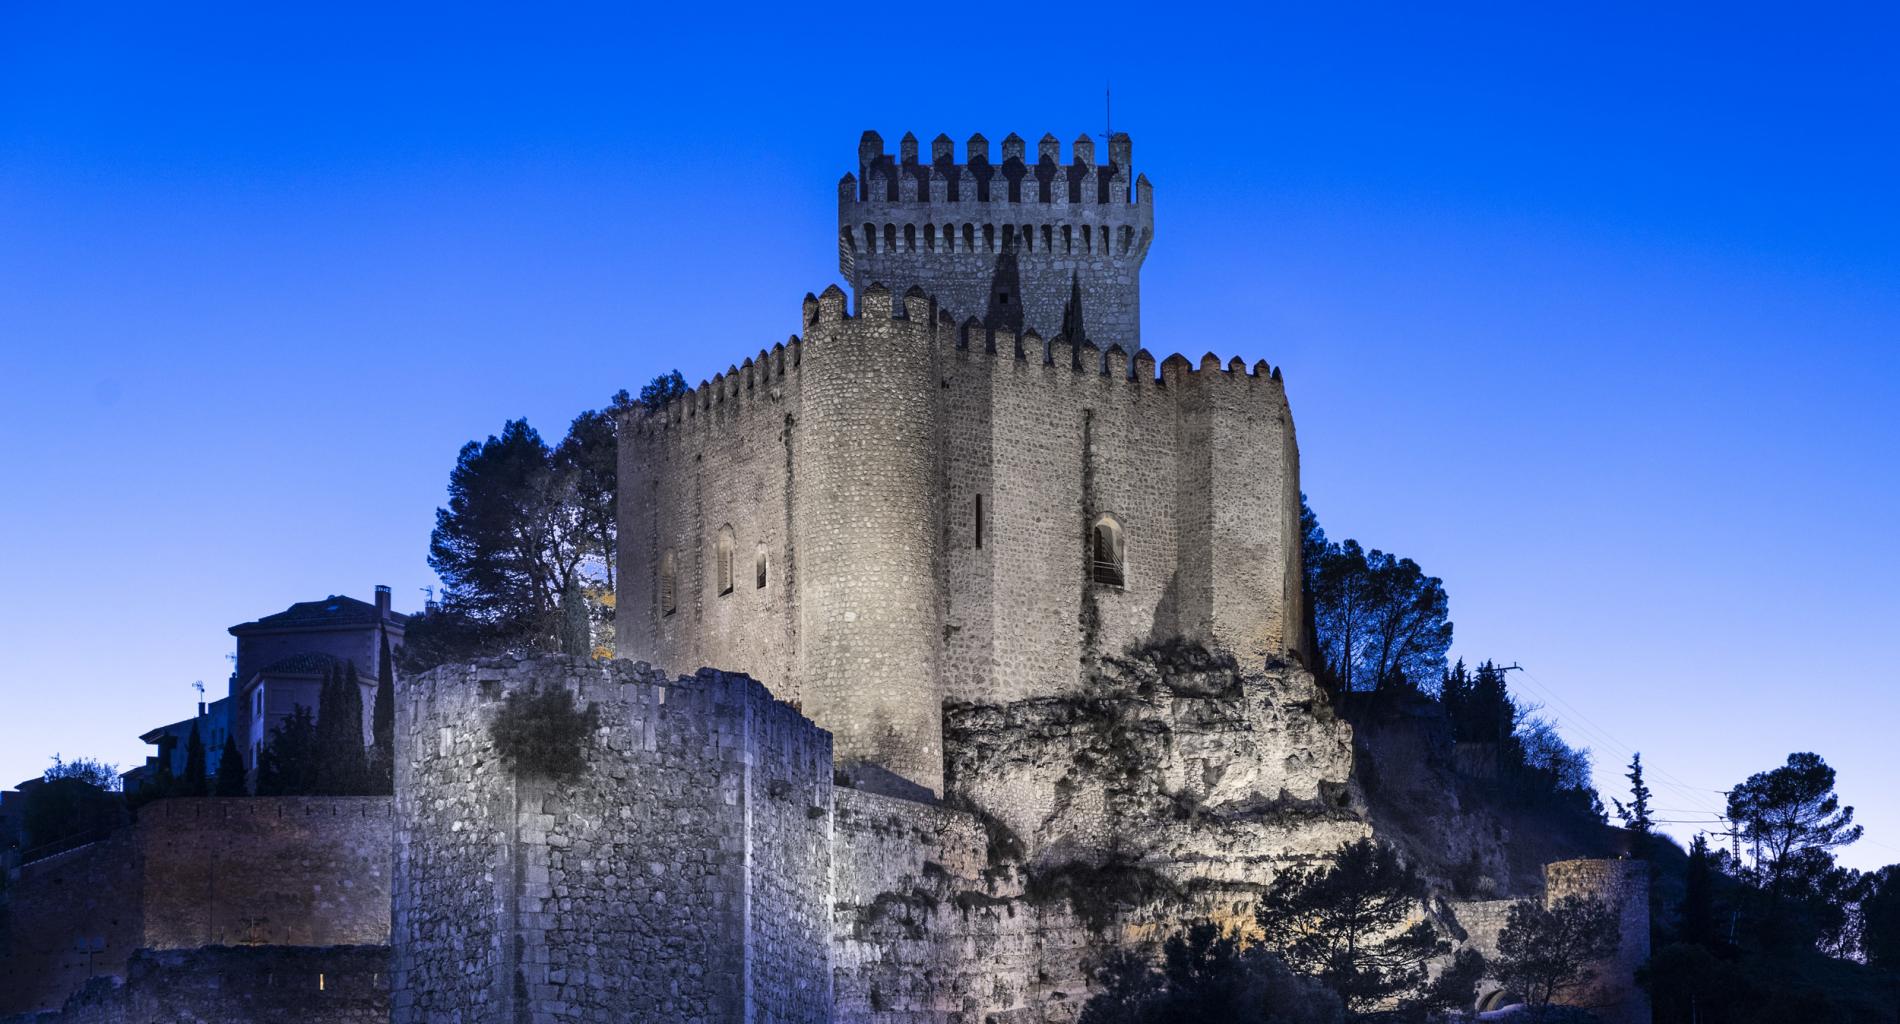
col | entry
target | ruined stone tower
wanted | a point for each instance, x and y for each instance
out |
(1020, 245)
(916, 502)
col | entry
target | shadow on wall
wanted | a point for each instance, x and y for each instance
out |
(1006, 295)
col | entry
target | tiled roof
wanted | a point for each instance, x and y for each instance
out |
(334, 610)
(308, 661)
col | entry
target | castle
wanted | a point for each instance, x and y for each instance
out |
(1021, 615)
(969, 491)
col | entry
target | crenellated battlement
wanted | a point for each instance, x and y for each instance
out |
(1021, 239)
(759, 376)
(1016, 178)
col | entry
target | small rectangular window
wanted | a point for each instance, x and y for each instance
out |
(979, 522)
(758, 569)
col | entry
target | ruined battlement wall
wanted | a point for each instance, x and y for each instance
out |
(237, 985)
(1013, 243)
(193, 872)
(924, 492)
(683, 875)
(1622, 885)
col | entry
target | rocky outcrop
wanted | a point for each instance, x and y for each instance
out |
(1172, 789)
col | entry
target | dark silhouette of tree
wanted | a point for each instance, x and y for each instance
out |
(1793, 820)
(230, 777)
(195, 782)
(662, 389)
(1698, 895)
(382, 757)
(1544, 950)
(1341, 924)
(1206, 976)
(524, 526)
(1378, 618)
(1636, 816)
(341, 761)
(507, 543)
(587, 459)
(287, 766)
(76, 801)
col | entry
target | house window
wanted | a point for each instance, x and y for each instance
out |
(669, 590)
(758, 568)
(723, 553)
(1107, 553)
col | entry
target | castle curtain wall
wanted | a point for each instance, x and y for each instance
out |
(721, 457)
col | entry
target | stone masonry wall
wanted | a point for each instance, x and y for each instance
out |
(292, 871)
(1009, 243)
(237, 985)
(198, 872)
(683, 877)
(68, 918)
(923, 489)
(721, 459)
(895, 598)
(1623, 885)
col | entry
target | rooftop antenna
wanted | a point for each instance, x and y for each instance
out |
(1108, 113)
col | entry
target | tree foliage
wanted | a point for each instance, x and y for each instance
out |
(543, 733)
(1341, 923)
(230, 777)
(342, 763)
(1543, 951)
(1206, 976)
(75, 801)
(1378, 619)
(382, 753)
(1636, 817)
(287, 766)
(525, 545)
(196, 782)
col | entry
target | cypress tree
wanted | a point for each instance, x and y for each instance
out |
(230, 779)
(383, 724)
(340, 763)
(195, 764)
(1698, 895)
(1636, 816)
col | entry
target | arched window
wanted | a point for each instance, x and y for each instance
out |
(669, 583)
(1107, 554)
(723, 553)
(758, 568)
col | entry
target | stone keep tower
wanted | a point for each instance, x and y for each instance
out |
(911, 504)
(1020, 245)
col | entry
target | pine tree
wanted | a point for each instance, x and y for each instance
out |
(230, 778)
(1636, 816)
(382, 762)
(195, 764)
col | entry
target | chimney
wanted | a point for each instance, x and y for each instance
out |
(382, 600)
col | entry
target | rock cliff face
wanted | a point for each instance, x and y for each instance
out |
(1172, 789)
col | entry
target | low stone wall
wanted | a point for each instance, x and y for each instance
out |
(684, 876)
(236, 985)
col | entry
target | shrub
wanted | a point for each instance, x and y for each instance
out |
(543, 733)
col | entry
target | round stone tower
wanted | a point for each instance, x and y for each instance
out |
(866, 533)
(1623, 886)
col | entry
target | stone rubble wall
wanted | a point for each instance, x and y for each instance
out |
(203, 871)
(1622, 885)
(236, 985)
(682, 877)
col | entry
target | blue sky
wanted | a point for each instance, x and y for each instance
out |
(1594, 312)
